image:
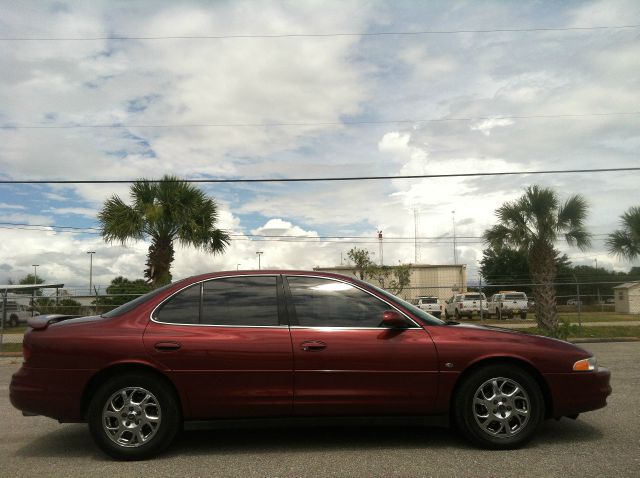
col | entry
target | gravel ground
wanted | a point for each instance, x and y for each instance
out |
(601, 443)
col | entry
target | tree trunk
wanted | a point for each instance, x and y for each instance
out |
(159, 261)
(543, 272)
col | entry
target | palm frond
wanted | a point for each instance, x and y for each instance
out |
(120, 222)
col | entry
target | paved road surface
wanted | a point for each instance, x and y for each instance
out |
(601, 443)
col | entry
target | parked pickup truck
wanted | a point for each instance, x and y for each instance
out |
(430, 305)
(465, 305)
(507, 304)
(17, 313)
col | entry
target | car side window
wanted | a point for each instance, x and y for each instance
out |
(182, 308)
(231, 301)
(320, 302)
(248, 301)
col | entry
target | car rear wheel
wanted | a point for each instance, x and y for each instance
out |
(13, 321)
(457, 315)
(498, 407)
(133, 416)
(523, 316)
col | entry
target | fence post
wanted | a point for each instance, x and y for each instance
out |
(579, 301)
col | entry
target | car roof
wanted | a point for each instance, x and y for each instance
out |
(212, 275)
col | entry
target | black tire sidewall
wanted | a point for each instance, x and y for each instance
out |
(169, 426)
(462, 413)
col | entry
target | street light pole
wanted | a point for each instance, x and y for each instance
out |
(91, 253)
(237, 267)
(33, 294)
(259, 253)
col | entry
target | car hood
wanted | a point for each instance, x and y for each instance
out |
(519, 336)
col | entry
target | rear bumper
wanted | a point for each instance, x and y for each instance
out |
(52, 393)
(579, 392)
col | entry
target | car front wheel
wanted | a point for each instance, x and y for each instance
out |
(498, 407)
(133, 416)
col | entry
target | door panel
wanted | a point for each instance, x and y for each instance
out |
(355, 365)
(364, 371)
(227, 346)
(228, 371)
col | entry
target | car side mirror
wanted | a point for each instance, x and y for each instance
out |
(394, 319)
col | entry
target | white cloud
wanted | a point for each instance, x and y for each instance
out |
(485, 126)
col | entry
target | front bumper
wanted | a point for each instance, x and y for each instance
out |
(579, 392)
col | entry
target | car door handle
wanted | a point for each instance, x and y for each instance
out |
(167, 346)
(313, 346)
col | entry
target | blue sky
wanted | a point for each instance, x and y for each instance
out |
(324, 83)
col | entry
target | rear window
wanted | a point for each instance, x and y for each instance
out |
(520, 295)
(472, 297)
(429, 300)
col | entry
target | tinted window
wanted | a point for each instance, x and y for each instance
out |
(429, 300)
(328, 303)
(472, 297)
(240, 301)
(515, 296)
(182, 308)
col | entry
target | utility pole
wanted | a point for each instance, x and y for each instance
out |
(237, 266)
(455, 252)
(380, 241)
(35, 273)
(91, 253)
(415, 235)
(259, 253)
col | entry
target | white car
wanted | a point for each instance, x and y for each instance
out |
(465, 305)
(507, 304)
(17, 313)
(430, 305)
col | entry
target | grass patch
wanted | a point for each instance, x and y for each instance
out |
(571, 317)
(575, 332)
(11, 348)
(15, 330)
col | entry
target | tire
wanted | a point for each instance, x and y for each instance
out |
(457, 315)
(523, 316)
(13, 321)
(498, 314)
(446, 314)
(505, 428)
(107, 410)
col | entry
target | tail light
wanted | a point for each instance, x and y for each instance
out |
(26, 351)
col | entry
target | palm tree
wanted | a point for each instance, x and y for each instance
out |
(163, 211)
(625, 242)
(532, 224)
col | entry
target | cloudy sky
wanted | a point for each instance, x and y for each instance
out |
(278, 97)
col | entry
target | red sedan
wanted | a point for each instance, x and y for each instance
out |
(292, 344)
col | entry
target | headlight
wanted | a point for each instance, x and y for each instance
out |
(585, 365)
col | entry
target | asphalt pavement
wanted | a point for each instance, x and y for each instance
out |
(603, 443)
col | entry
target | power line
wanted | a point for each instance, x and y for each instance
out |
(304, 124)
(47, 227)
(314, 179)
(316, 35)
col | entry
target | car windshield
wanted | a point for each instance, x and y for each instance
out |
(515, 296)
(417, 312)
(132, 304)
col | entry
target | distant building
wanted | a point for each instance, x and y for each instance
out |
(627, 298)
(426, 279)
